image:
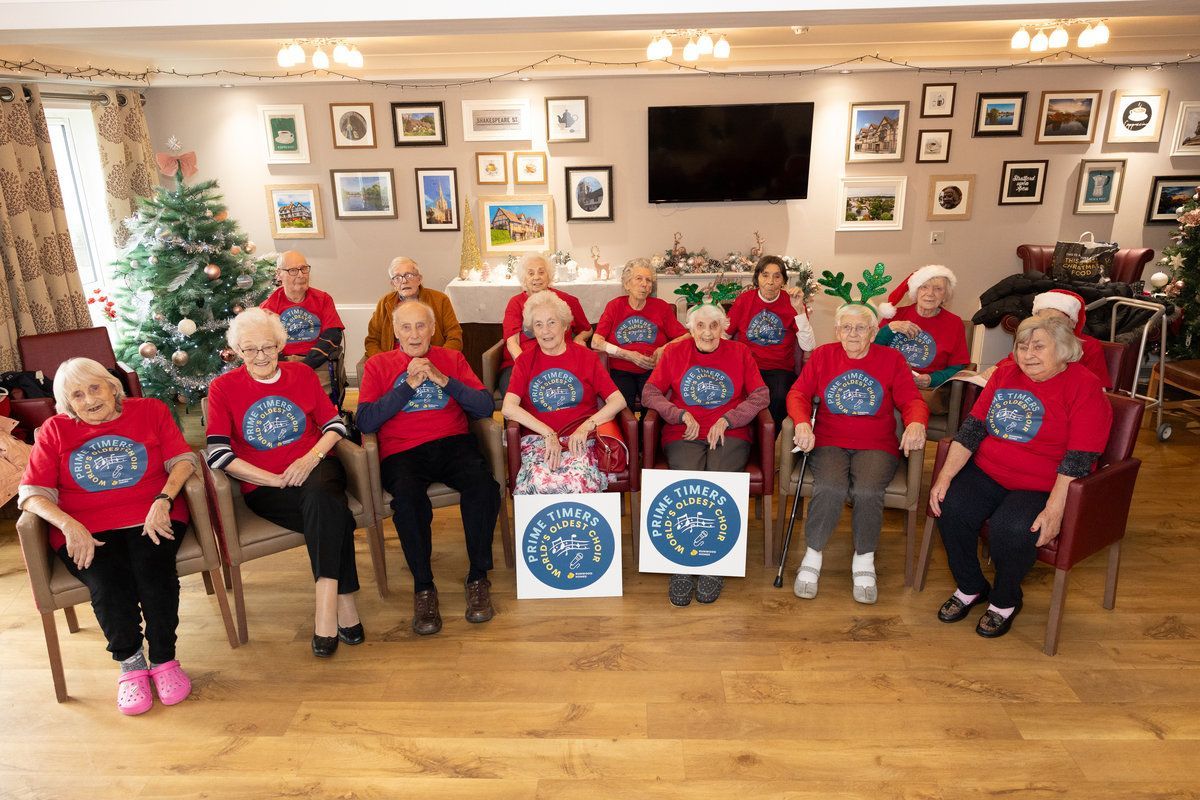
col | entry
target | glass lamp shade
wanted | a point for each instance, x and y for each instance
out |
(705, 43)
(1100, 33)
(1020, 39)
(354, 58)
(1059, 38)
(320, 60)
(284, 58)
(1040, 42)
(721, 48)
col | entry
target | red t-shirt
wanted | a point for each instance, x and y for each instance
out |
(269, 425)
(431, 413)
(706, 384)
(942, 342)
(561, 389)
(768, 329)
(642, 331)
(514, 323)
(858, 397)
(1092, 358)
(107, 475)
(1032, 425)
(303, 321)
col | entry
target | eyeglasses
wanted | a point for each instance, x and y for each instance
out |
(252, 352)
(856, 330)
(406, 276)
(303, 269)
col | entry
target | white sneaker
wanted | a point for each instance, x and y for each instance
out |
(805, 586)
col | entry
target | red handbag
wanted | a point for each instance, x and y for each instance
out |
(612, 454)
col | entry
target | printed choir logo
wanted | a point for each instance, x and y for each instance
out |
(555, 389)
(273, 422)
(918, 352)
(706, 387)
(1015, 415)
(568, 546)
(108, 462)
(693, 522)
(301, 324)
(428, 396)
(854, 393)
(766, 328)
(636, 330)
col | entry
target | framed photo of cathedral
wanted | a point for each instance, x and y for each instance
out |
(877, 132)
(437, 199)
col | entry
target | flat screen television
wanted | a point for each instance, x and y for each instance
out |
(707, 154)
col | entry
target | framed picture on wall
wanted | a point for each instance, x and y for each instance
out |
(1167, 193)
(353, 124)
(363, 193)
(491, 168)
(1137, 116)
(877, 131)
(295, 211)
(517, 223)
(1186, 141)
(566, 119)
(1022, 183)
(937, 99)
(999, 113)
(871, 204)
(933, 145)
(285, 134)
(496, 120)
(419, 124)
(1100, 184)
(950, 197)
(437, 199)
(589, 194)
(529, 168)
(1068, 117)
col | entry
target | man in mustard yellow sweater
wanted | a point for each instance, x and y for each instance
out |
(405, 277)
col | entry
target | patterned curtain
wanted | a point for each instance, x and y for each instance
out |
(40, 290)
(125, 156)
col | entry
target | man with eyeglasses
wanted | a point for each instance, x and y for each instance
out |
(314, 329)
(405, 277)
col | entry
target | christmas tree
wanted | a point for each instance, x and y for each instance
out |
(186, 271)
(470, 258)
(1183, 259)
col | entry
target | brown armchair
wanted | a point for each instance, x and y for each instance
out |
(490, 371)
(1127, 266)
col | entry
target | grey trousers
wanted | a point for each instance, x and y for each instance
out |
(863, 475)
(695, 455)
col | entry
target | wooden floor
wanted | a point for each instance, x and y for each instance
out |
(761, 695)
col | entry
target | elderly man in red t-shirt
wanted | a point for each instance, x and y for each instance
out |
(419, 398)
(314, 329)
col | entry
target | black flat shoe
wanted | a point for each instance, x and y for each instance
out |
(324, 646)
(955, 610)
(992, 626)
(352, 635)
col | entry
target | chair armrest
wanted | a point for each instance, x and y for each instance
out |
(787, 459)
(220, 495)
(358, 369)
(133, 385)
(512, 437)
(34, 533)
(1096, 512)
(629, 429)
(765, 429)
(490, 365)
(370, 445)
(916, 465)
(954, 405)
(32, 412)
(939, 459)
(970, 393)
(358, 473)
(651, 432)
(488, 433)
(197, 502)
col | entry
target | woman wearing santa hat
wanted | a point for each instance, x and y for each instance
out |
(1067, 305)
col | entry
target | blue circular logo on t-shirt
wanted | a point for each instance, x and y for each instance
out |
(636, 330)
(555, 389)
(918, 352)
(1015, 415)
(766, 328)
(428, 396)
(273, 422)
(301, 324)
(568, 545)
(854, 393)
(108, 462)
(706, 387)
(693, 522)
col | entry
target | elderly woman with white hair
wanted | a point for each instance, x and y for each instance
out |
(634, 328)
(929, 336)
(708, 390)
(105, 473)
(558, 389)
(271, 427)
(535, 274)
(404, 275)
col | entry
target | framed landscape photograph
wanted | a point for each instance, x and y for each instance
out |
(1137, 116)
(933, 146)
(284, 134)
(566, 119)
(529, 168)
(437, 199)
(419, 124)
(1167, 193)
(589, 194)
(1100, 186)
(871, 204)
(1022, 183)
(1068, 117)
(295, 211)
(999, 113)
(496, 120)
(353, 124)
(937, 99)
(1186, 141)
(517, 223)
(877, 131)
(491, 168)
(950, 197)
(363, 194)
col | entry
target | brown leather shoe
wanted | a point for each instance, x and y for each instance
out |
(426, 619)
(479, 601)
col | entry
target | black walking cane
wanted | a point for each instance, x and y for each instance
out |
(787, 540)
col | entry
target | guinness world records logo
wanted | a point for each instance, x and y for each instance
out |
(108, 462)
(918, 352)
(568, 545)
(1014, 415)
(272, 422)
(693, 522)
(301, 324)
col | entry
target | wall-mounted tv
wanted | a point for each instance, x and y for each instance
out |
(706, 154)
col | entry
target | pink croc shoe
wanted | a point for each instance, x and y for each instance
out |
(171, 682)
(133, 692)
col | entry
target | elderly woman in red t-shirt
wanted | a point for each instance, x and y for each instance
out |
(105, 473)
(854, 448)
(555, 389)
(1039, 424)
(1067, 306)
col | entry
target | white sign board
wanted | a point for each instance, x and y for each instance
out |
(694, 523)
(568, 545)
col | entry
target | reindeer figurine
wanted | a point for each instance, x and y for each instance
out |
(679, 249)
(870, 286)
(601, 266)
(756, 252)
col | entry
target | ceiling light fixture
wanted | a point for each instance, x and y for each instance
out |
(292, 53)
(284, 58)
(354, 59)
(1039, 43)
(705, 43)
(1100, 33)
(1087, 38)
(691, 50)
(320, 60)
(699, 43)
(1059, 38)
(721, 48)
(1094, 32)
(1020, 39)
(341, 53)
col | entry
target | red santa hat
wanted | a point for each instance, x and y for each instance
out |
(1065, 301)
(912, 283)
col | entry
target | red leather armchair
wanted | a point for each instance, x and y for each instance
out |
(1095, 518)
(1127, 266)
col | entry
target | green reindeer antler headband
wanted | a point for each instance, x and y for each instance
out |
(721, 293)
(870, 286)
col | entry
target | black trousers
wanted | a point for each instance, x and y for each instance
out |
(317, 508)
(456, 462)
(972, 499)
(132, 578)
(778, 382)
(630, 384)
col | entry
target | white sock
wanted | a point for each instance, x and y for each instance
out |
(964, 598)
(863, 563)
(812, 558)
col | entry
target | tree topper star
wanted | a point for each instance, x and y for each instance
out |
(173, 143)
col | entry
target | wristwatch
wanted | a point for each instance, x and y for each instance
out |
(164, 496)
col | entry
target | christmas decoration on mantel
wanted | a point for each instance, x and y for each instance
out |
(1182, 258)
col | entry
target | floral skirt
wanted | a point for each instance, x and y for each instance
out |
(575, 474)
